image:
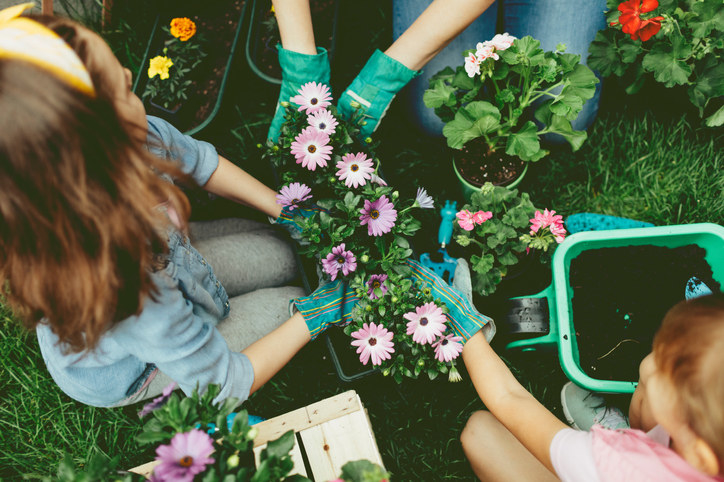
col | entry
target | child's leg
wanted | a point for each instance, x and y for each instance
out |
(203, 230)
(495, 454)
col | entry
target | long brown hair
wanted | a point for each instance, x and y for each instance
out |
(80, 233)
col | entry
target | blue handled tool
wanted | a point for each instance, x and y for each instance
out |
(441, 263)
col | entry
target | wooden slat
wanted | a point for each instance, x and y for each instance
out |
(296, 454)
(46, 7)
(145, 469)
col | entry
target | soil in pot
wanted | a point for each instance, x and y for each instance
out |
(217, 22)
(478, 166)
(620, 296)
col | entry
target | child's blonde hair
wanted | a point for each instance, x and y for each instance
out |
(80, 234)
(689, 349)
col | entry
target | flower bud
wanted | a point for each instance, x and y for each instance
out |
(258, 146)
(354, 104)
(275, 148)
(395, 194)
(363, 123)
(284, 103)
(368, 140)
(368, 308)
(421, 362)
(252, 433)
(233, 461)
(364, 258)
(386, 372)
(394, 299)
(331, 179)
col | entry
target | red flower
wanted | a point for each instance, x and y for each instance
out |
(632, 23)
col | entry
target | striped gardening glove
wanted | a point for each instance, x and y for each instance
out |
(287, 220)
(462, 315)
(330, 304)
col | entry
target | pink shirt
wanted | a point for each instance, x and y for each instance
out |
(603, 455)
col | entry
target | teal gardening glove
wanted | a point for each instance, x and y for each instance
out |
(464, 318)
(374, 88)
(297, 69)
(330, 304)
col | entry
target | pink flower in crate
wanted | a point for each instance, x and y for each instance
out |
(448, 347)
(339, 259)
(293, 194)
(312, 97)
(373, 341)
(379, 216)
(311, 148)
(186, 455)
(481, 216)
(354, 169)
(376, 281)
(465, 220)
(426, 323)
(472, 65)
(323, 121)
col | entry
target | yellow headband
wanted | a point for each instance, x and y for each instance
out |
(24, 39)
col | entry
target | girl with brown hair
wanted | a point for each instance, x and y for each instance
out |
(94, 251)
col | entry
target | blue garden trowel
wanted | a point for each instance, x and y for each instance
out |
(441, 263)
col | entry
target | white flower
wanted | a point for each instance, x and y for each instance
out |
(423, 199)
(472, 65)
(485, 50)
(502, 41)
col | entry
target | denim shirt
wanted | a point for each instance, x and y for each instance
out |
(176, 331)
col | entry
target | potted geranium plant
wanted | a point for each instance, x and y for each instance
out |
(501, 100)
(501, 227)
(675, 42)
(358, 228)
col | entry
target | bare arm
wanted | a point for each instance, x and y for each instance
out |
(269, 354)
(441, 22)
(295, 25)
(232, 182)
(526, 418)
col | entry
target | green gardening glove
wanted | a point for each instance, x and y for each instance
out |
(373, 89)
(462, 315)
(330, 304)
(297, 69)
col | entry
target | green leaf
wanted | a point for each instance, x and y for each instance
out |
(482, 264)
(716, 119)
(709, 84)
(562, 126)
(709, 16)
(668, 62)
(440, 94)
(281, 446)
(603, 56)
(524, 143)
(462, 80)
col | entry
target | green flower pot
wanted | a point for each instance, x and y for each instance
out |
(468, 188)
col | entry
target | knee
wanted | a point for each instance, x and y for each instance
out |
(477, 429)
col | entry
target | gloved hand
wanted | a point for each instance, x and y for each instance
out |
(286, 219)
(374, 88)
(297, 69)
(464, 318)
(330, 304)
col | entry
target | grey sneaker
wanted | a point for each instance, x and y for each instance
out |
(584, 409)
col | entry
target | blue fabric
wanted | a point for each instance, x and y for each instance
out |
(571, 22)
(176, 331)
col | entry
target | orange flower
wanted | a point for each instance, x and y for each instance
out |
(183, 28)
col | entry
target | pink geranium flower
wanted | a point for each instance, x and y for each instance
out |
(448, 347)
(472, 65)
(186, 455)
(502, 41)
(465, 220)
(379, 216)
(323, 121)
(543, 220)
(373, 341)
(485, 50)
(311, 149)
(426, 323)
(293, 194)
(376, 281)
(339, 260)
(354, 169)
(481, 216)
(312, 97)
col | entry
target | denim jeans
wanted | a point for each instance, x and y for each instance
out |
(571, 22)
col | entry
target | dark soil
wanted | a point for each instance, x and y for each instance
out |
(478, 166)
(620, 296)
(265, 34)
(216, 24)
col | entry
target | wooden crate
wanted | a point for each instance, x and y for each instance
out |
(329, 433)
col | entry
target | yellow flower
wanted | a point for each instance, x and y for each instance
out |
(183, 28)
(159, 65)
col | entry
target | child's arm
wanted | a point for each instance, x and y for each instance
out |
(526, 418)
(232, 182)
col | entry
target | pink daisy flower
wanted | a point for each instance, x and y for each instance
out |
(448, 347)
(158, 401)
(472, 65)
(186, 455)
(465, 219)
(481, 216)
(311, 148)
(354, 169)
(339, 259)
(426, 323)
(377, 180)
(376, 281)
(373, 341)
(379, 216)
(423, 199)
(312, 97)
(323, 121)
(293, 194)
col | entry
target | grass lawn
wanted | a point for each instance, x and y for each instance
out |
(643, 161)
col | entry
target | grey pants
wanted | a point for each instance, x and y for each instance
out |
(252, 261)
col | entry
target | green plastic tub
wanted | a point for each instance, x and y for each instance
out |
(557, 297)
